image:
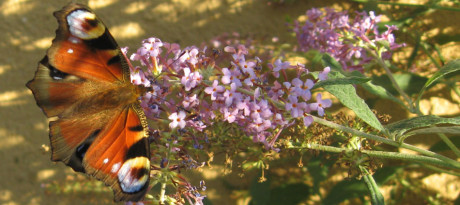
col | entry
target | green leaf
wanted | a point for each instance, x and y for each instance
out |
(374, 191)
(315, 57)
(318, 172)
(442, 146)
(376, 89)
(451, 67)
(289, 194)
(344, 190)
(376, 196)
(379, 91)
(206, 201)
(348, 97)
(415, 50)
(332, 63)
(372, 6)
(448, 68)
(408, 82)
(431, 130)
(348, 189)
(457, 201)
(444, 38)
(342, 81)
(260, 192)
(384, 174)
(397, 129)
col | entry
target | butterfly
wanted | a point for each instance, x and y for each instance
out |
(97, 125)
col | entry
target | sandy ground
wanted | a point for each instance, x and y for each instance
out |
(26, 30)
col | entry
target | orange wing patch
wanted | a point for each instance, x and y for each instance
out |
(80, 60)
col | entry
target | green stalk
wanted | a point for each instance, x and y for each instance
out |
(437, 169)
(165, 176)
(429, 6)
(163, 192)
(378, 154)
(427, 52)
(454, 87)
(449, 143)
(376, 195)
(451, 162)
(394, 83)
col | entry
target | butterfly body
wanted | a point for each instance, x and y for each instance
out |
(96, 123)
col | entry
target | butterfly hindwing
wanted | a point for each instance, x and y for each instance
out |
(96, 123)
(127, 170)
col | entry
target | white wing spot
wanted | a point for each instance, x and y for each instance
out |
(115, 167)
(106, 160)
(70, 50)
(74, 40)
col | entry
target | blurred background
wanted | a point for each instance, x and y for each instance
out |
(27, 176)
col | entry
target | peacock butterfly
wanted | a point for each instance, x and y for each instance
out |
(97, 125)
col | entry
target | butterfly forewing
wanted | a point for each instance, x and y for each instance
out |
(98, 127)
(81, 35)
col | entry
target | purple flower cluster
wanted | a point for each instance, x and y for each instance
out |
(193, 92)
(348, 41)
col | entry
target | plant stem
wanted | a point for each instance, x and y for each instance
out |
(449, 143)
(428, 53)
(162, 192)
(452, 162)
(437, 169)
(455, 88)
(378, 154)
(394, 83)
(375, 194)
(410, 5)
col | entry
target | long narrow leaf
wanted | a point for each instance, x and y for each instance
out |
(377, 89)
(399, 128)
(347, 95)
(352, 80)
(450, 67)
(376, 196)
(433, 130)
